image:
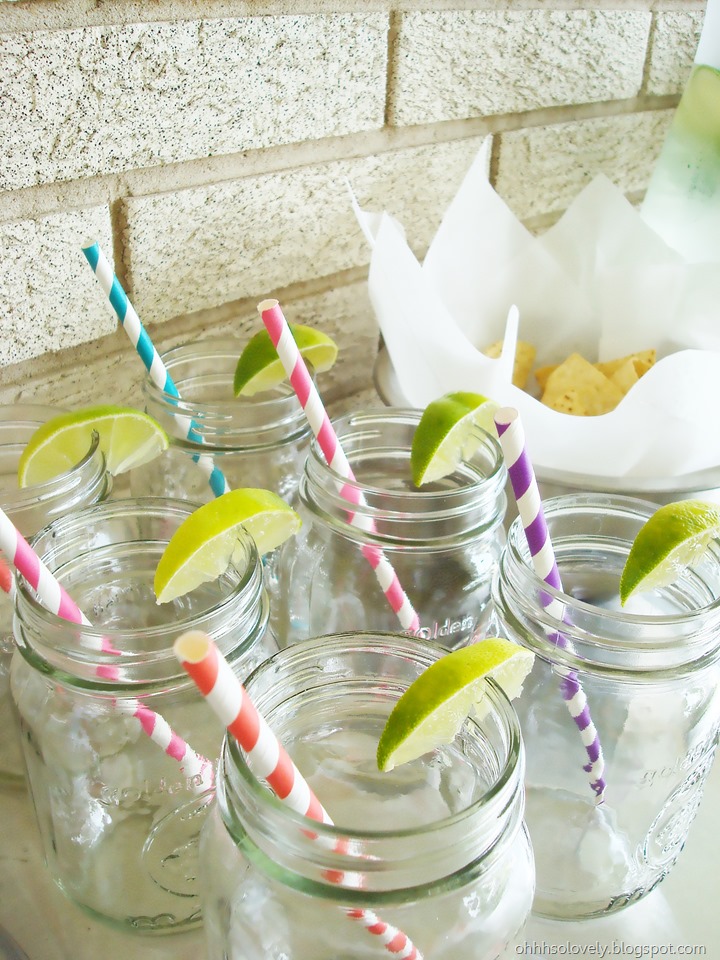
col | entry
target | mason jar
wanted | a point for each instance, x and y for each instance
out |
(114, 796)
(442, 540)
(435, 848)
(258, 441)
(650, 672)
(30, 508)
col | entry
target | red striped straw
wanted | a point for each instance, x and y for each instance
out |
(527, 495)
(268, 760)
(307, 394)
(197, 769)
(6, 578)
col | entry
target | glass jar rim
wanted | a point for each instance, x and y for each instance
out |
(590, 628)
(58, 485)
(127, 652)
(280, 407)
(491, 483)
(494, 796)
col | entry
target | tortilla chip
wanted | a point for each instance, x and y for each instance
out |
(625, 376)
(642, 360)
(577, 387)
(542, 374)
(524, 359)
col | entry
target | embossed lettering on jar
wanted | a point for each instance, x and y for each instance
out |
(436, 848)
(118, 815)
(443, 540)
(650, 673)
(30, 509)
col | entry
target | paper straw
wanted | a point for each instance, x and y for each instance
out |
(6, 579)
(56, 599)
(307, 394)
(527, 495)
(268, 759)
(154, 365)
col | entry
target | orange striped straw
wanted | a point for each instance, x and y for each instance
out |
(268, 760)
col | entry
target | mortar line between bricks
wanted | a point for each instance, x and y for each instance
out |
(59, 196)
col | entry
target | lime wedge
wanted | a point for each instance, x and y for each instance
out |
(675, 537)
(446, 434)
(128, 438)
(433, 708)
(260, 369)
(205, 544)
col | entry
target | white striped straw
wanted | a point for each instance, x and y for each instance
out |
(527, 495)
(268, 760)
(154, 365)
(312, 405)
(197, 769)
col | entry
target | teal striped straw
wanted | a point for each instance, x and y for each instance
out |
(159, 373)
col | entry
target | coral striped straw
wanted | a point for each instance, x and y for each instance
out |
(307, 394)
(527, 495)
(269, 760)
(197, 769)
(154, 365)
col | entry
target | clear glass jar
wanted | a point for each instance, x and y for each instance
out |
(437, 847)
(256, 441)
(650, 673)
(30, 509)
(118, 835)
(443, 540)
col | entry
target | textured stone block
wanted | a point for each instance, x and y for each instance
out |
(542, 169)
(99, 100)
(202, 247)
(467, 63)
(109, 371)
(49, 298)
(674, 42)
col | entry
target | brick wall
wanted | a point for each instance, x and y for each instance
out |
(206, 144)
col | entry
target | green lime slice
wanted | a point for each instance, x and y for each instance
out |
(674, 538)
(260, 369)
(447, 434)
(128, 438)
(204, 545)
(434, 707)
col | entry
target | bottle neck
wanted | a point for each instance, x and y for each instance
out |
(671, 631)
(708, 50)
(203, 374)
(105, 558)
(389, 510)
(399, 831)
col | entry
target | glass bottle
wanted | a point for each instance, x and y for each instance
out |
(258, 441)
(436, 847)
(682, 203)
(118, 816)
(30, 508)
(443, 540)
(650, 673)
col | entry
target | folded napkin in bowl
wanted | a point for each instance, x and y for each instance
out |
(599, 282)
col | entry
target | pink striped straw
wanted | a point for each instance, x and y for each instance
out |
(269, 760)
(527, 495)
(307, 394)
(197, 769)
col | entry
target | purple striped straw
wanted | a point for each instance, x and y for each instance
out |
(529, 504)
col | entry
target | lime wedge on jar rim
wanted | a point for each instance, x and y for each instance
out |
(259, 367)
(446, 434)
(434, 707)
(128, 438)
(672, 539)
(205, 544)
